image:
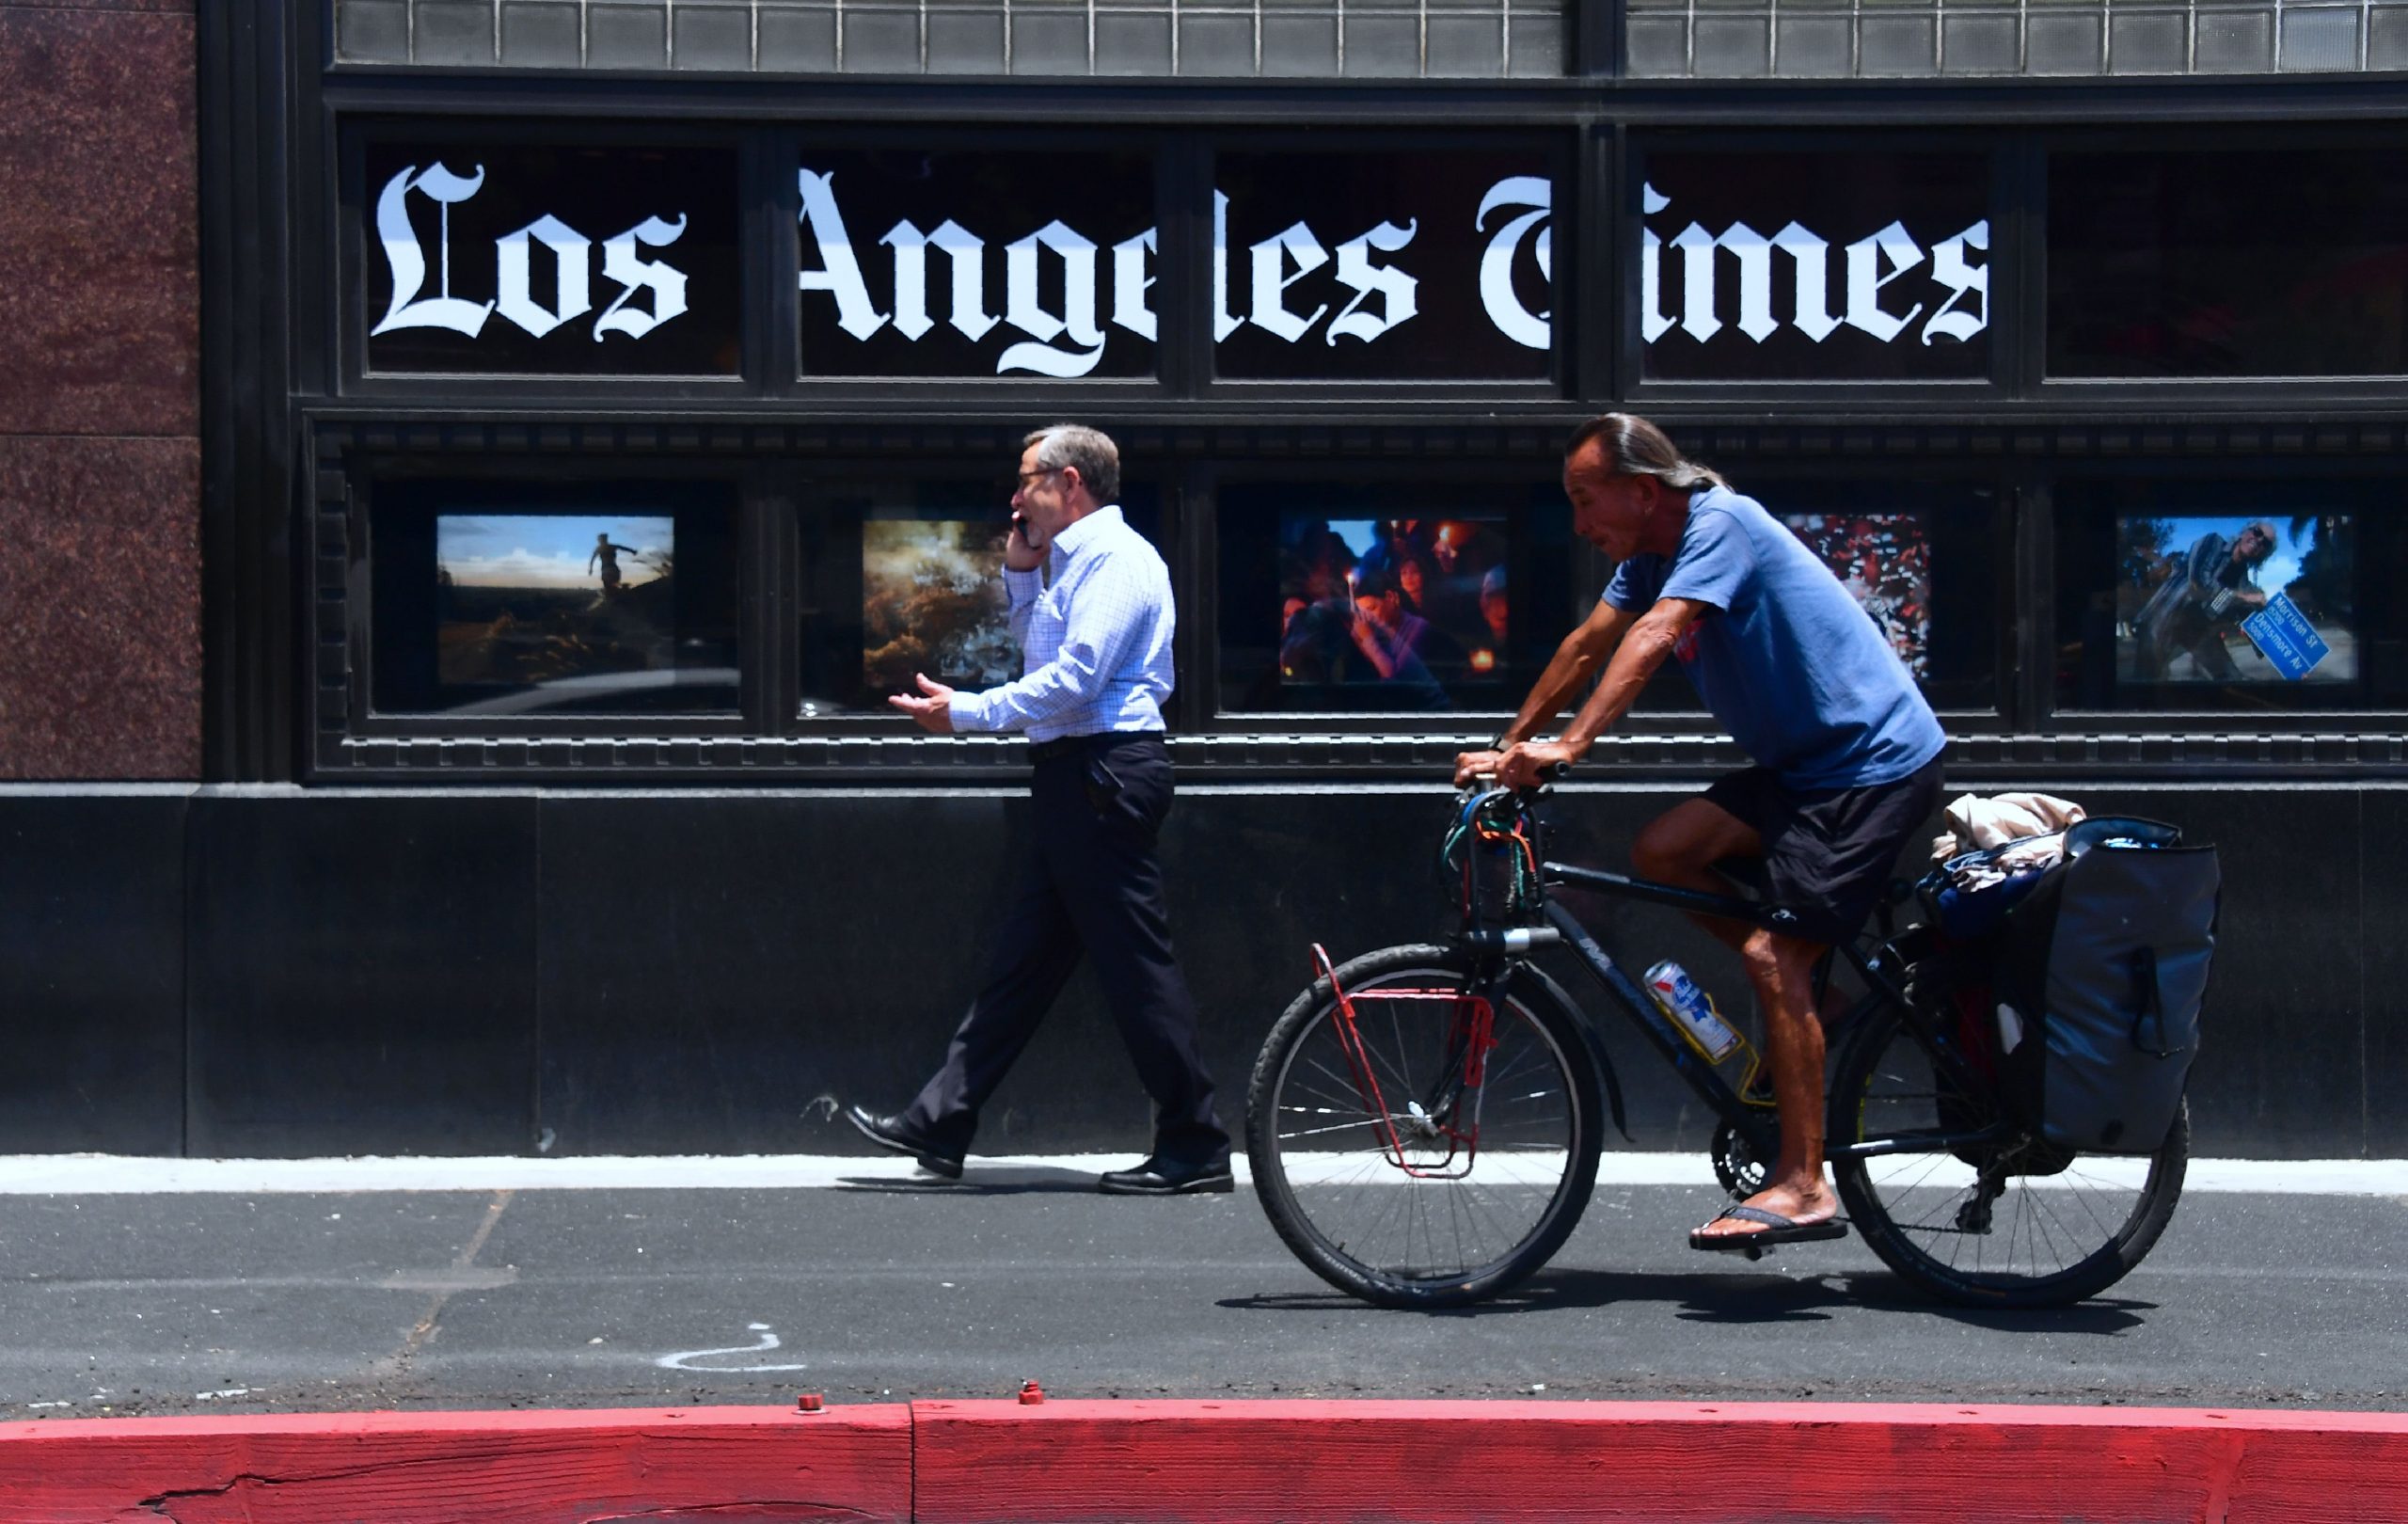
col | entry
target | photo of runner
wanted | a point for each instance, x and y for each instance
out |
(535, 598)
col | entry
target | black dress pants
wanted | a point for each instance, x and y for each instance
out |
(1089, 886)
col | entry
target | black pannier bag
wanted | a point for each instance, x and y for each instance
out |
(2102, 972)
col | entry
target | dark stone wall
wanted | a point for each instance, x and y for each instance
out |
(100, 354)
(270, 972)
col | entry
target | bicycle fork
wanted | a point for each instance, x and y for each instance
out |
(1469, 1037)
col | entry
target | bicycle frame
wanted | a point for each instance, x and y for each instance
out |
(1474, 1028)
(1758, 1125)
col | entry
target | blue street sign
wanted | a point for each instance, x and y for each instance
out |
(2286, 638)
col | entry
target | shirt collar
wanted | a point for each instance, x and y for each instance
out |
(1068, 541)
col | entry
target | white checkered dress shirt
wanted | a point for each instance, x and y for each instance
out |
(1095, 647)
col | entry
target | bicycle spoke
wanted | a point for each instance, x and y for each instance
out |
(2030, 1224)
(1485, 1167)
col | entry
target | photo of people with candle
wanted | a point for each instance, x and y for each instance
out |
(1415, 605)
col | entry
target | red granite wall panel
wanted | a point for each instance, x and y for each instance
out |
(99, 613)
(100, 358)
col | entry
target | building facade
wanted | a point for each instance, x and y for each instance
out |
(448, 711)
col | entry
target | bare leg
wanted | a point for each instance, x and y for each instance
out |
(1781, 969)
(1681, 846)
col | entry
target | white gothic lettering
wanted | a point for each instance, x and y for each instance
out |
(1296, 284)
(1513, 193)
(1283, 263)
(515, 297)
(1064, 344)
(1872, 265)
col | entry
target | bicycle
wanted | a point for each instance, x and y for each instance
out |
(1424, 1121)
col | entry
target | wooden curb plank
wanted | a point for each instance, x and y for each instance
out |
(745, 1465)
(1370, 1462)
(1635, 1463)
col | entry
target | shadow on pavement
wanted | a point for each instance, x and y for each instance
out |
(977, 1182)
(1745, 1297)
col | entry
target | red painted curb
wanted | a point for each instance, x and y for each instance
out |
(1651, 1463)
(745, 1465)
(1221, 1463)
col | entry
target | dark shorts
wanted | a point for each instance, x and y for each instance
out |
(1830, 855)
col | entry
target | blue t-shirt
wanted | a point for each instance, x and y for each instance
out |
(1793, 667)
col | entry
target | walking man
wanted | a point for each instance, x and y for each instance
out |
(1096, 642)
(1847, 752)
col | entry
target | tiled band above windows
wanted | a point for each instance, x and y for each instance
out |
(1297, 39)
(1922, 39)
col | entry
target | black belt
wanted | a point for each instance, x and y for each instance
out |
(1061, 746)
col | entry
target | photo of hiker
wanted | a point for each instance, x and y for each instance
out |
(933, 602)
(528, 599)
(2186, 584)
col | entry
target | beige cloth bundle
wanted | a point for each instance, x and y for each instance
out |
(1975, 823)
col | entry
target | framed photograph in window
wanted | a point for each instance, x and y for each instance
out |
(903, 575)
(1392, 598)
(508, 600)
(2230, 598)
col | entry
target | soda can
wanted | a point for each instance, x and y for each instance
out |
(1692, 1009)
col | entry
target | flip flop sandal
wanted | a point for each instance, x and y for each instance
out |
(1777, 1230)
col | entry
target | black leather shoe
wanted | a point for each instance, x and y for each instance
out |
(1164, 1177)
(890, 1133)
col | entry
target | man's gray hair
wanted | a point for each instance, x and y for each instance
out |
(1090, 452)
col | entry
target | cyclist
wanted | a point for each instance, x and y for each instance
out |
(1846, 751)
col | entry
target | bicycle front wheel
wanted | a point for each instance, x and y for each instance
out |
(2015, 1224)
(1405, 1166)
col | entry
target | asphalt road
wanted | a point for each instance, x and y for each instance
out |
(887, 1290)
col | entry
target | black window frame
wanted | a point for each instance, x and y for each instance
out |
(2211, 395)
(786, 144)
(2357, 470)
(1559, 148)
(286, 425)
(2007, 313)
(348, 311)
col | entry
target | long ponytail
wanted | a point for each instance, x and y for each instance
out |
(1634, 446)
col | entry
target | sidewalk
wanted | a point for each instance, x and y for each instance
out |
(432, 1284)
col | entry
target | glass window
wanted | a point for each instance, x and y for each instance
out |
(1391, 598)
(2268, 264)
(1405, 266)
(510, 599)
(905, 577)
(2233, 596)
(1822, 266)
(946, 265)
(517, 259)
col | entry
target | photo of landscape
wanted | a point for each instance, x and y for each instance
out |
(528, 599)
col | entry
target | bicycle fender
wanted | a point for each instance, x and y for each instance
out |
(1556, 992)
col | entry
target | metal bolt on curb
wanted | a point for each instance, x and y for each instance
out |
(1031, 1393)
(810, 1402)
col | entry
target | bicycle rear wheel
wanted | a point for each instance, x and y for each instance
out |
(1440, 1192)
(2017, 1224)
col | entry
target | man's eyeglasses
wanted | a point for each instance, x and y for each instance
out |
(1029, 479)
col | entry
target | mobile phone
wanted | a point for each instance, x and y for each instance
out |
(1027, 532)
